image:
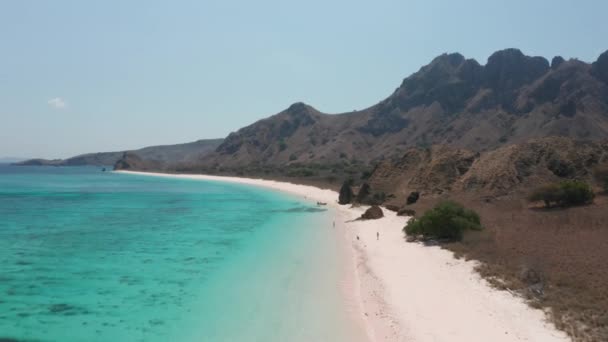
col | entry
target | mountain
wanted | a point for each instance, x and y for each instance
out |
(452, 101)
(161, 155)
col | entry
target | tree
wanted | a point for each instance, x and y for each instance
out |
(448, 220)
(565, 194)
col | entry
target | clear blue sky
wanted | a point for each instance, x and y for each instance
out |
(83, 76)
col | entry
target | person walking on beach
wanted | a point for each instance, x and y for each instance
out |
(377, 236)
(334, 224)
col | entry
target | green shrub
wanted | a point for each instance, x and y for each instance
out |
(448, 220)
(601, 175)
(293, 157)
(566, 193)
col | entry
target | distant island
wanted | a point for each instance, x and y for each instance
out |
(10, 160)
(163, 154)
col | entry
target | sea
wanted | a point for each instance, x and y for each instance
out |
(87, 255)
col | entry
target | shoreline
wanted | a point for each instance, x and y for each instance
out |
(410, 292)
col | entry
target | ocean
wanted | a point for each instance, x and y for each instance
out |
(87, 255)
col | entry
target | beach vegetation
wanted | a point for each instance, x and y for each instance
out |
(446, 221)
(564, 194)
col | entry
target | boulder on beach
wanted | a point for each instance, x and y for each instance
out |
(392, 207)
(372, 213)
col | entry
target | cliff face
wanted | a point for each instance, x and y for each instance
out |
(452, 101)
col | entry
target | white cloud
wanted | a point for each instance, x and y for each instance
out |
(57, 103)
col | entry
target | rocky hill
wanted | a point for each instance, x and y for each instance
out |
(163, 155)
(511, 169)
(452, 101)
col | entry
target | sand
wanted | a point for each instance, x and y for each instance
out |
(409, 292)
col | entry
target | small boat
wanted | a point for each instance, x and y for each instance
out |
(321, 203)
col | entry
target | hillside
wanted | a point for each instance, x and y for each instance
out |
(162, 155)
(452, 101)
(511, 169)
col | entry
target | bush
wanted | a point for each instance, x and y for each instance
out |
(601, 175)
(566, 193)
(448, 220)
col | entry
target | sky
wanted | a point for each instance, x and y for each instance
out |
(88, 76)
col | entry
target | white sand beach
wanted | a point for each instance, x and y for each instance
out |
(415, 293)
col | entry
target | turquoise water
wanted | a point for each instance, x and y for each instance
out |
(93, 256)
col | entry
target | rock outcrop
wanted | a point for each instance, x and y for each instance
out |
(346, 193)
(132, 162)
(373, 213)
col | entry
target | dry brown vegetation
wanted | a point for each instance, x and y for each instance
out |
(556, 258)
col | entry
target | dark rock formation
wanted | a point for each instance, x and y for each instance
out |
(364, 192)
(373, 213)
(557, 61)
(600, 67)
(510, 68)
(413, 197)
(346, 193)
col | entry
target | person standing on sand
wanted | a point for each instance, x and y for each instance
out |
(377, 236)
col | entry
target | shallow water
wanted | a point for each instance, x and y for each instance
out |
(94, 256)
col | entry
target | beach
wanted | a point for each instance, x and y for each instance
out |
(402, 291)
